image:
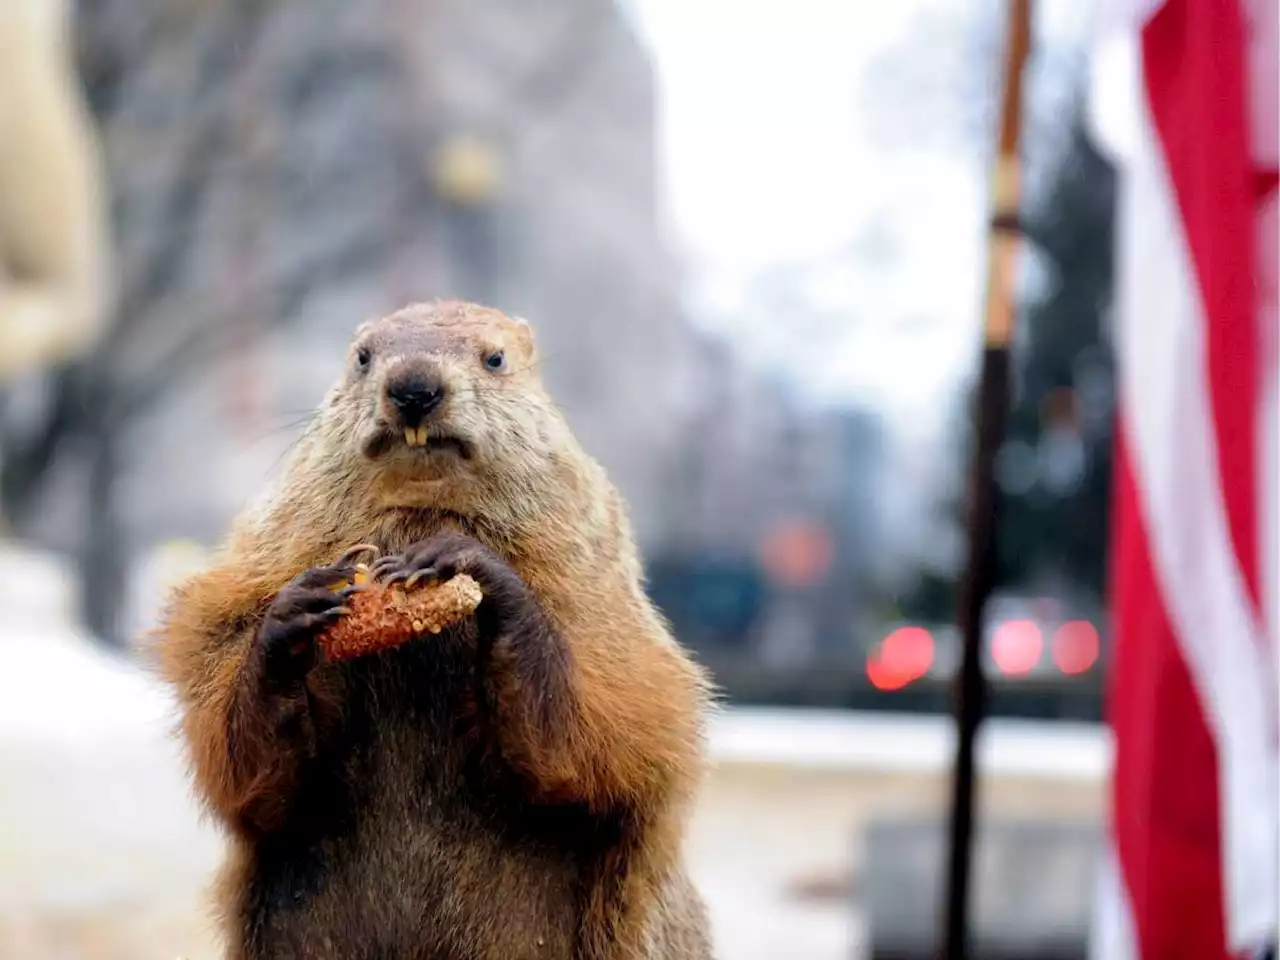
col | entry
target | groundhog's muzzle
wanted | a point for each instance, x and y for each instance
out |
(413, 406)
(415, 394)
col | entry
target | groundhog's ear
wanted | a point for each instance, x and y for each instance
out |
(524, 333)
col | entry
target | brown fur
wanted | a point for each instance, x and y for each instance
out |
(484, 793)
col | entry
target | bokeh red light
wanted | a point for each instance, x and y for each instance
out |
(1016, 646)
(1075, 646)
(904, 655)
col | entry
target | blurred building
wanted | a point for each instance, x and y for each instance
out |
(776, 540)
(282, 171)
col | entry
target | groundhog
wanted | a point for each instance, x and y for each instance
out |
(515, 786)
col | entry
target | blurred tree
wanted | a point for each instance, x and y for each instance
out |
(306, 164)
(1054, 468)
(91, 401)
(936, 88)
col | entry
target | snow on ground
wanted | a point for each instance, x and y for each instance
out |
(101, 841)
(104, 854)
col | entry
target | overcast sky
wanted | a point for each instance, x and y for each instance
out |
(767, 159)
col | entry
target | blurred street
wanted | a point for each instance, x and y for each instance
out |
(103, 856)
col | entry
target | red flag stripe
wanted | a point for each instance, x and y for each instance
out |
(1191, 703)
(1194, 55)
(1165, 782)
(1196, 65)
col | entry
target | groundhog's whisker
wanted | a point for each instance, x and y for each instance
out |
(276, 430)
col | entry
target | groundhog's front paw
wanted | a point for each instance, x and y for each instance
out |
(442, 557)
(303, 608)
(449, 553)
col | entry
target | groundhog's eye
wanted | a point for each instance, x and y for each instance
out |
(363, 356)
(496, 361)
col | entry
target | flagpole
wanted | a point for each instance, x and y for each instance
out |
(993, 390)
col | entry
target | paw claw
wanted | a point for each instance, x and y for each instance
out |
(384, 566)
(426, 573)
(358, 550)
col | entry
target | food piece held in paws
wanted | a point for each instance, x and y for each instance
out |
(387, 616)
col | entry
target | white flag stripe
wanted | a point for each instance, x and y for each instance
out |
(1163, 396)
(1166, 413)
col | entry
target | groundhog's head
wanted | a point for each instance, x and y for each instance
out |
(443, 403)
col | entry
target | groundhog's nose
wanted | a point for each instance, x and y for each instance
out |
(415, 396)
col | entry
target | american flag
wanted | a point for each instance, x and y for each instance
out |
(1184, 101)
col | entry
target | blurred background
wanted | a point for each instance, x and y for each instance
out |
(751, 238)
